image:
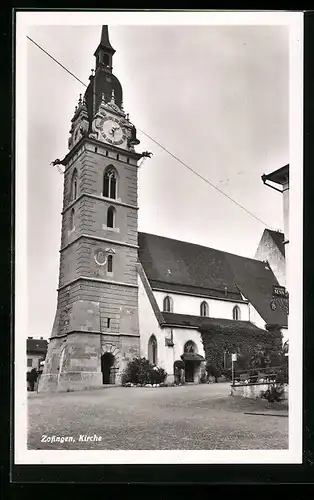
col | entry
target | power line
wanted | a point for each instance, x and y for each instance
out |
(161, 146)
(206, 180)
(55, 60)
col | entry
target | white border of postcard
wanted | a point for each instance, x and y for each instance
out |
(294, 20)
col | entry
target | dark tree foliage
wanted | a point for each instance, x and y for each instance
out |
(255, 348)
(142, 371)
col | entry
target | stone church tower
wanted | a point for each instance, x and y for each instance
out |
(95, 330)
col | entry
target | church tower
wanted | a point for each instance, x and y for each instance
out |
(95, 330)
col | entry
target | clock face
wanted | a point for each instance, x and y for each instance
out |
(112, 131)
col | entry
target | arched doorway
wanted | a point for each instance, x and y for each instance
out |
(107, 362)
(190, 348)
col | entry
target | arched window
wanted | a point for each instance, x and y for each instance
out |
(110, 183)
(168, 304)
(152, 350)
(236, 313)
(72, 219)
(110, 217)
(110, 264)
(74, 186)
(190, 346)
(204, 309)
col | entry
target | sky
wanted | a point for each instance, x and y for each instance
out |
(217, 97)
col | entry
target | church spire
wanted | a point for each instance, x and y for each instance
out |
(104, 40)
(104, 51)
(103, 81)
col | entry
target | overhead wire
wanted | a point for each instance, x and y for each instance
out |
(161, 146)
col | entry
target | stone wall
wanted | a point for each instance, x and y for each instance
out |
(254, 391)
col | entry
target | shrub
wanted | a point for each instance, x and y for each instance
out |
(158, 375)
(142, 371)
(213, 370)
(274, 393)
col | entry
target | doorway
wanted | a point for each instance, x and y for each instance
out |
(107, 361)
(189, 371)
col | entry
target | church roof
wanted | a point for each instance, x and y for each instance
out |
(180, 266)
(207, 324)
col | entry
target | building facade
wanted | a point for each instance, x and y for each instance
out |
(279, 181)
(96, 330)
(195, 300)
(36, 350)
(123, 293)
(271, 249)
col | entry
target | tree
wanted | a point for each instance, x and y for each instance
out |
(32, 378)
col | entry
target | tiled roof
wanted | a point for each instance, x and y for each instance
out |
(194, 290)
(38, 346)
(206, 323)
(255, 280)
(195, 269)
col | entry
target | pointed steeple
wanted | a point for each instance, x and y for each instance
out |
(104, 40)
(103, 81)
(104, 51)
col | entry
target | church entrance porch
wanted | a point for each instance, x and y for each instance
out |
(107, 368)
(192, 363)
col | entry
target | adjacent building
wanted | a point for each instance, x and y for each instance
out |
(275, 246)
(271, 249)
(279, 180)
(195, 300)
(36, 350)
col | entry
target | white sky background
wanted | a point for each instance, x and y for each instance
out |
(215, 96)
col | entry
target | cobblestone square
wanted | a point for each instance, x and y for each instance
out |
(190, 417)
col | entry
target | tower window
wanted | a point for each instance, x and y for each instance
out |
(117, 156)
(108, 322)
(110, 183)
(236, 313)
(204, 309)
(110, 217)
(72, 218)
(110, 264)
(152, 350)
(74, 186)
(105, 59)
(168, 304)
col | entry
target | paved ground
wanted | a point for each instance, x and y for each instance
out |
(187, 417)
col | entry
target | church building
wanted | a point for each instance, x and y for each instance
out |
(123, 293)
